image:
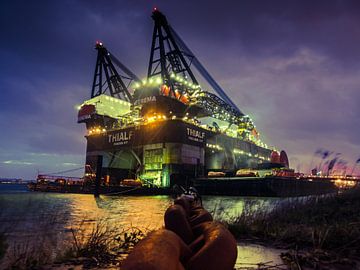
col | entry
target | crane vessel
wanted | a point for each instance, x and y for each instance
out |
(168, 129)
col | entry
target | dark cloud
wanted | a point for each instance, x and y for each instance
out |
(293, 66)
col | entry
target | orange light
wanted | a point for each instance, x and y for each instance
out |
(177, 94)
(165, 90)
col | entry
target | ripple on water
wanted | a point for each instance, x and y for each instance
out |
(145, 212)
(24, 214)
(252, 256)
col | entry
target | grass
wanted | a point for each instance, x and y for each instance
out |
(25, 255)
(316, 230)
(38, 232)
(3, 245)
(104, 245)
(327, 228)
(99, 244)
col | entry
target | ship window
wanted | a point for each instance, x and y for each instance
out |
(153, 159)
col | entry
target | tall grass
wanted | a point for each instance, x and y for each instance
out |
(102, 243)
(34, 248)
(326, 224)
(3, 245)
(32, 239)
(99, 244)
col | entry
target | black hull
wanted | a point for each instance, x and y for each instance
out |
(234, 186)
(263, 187)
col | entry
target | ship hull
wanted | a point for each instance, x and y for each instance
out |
(170, 152)
(224, 186)
(263, 186)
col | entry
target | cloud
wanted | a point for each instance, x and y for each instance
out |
(292, 66)
(71, 164)
(17, 162)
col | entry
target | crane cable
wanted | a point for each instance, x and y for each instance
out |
(67, 171)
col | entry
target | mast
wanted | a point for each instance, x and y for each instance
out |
(167, 60)
(171, 58)
(107, 78)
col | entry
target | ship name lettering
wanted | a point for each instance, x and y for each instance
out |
(120, 136)
(195, 133)
(145, 100)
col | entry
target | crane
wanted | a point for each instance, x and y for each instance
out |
(171, 58)
(113, 81)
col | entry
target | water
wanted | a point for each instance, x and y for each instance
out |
(252, 256)
(25, 216)
(11, 188)
(24, 208)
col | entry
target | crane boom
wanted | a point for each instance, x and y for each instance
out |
(171, 58)
(203, 71)
(113, 81)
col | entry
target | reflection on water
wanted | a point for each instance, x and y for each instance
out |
(250, 255)
(229, 207)
(127, 211)
(26, 209)
(23, 212)
(23, 215)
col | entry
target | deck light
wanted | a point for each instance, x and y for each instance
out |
(158, 81)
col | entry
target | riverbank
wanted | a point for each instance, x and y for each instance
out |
(318, 232)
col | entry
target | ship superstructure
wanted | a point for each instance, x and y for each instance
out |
(167, 128)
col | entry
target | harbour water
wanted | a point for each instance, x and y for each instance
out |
(25, 216)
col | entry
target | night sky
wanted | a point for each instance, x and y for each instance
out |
(293, 66)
